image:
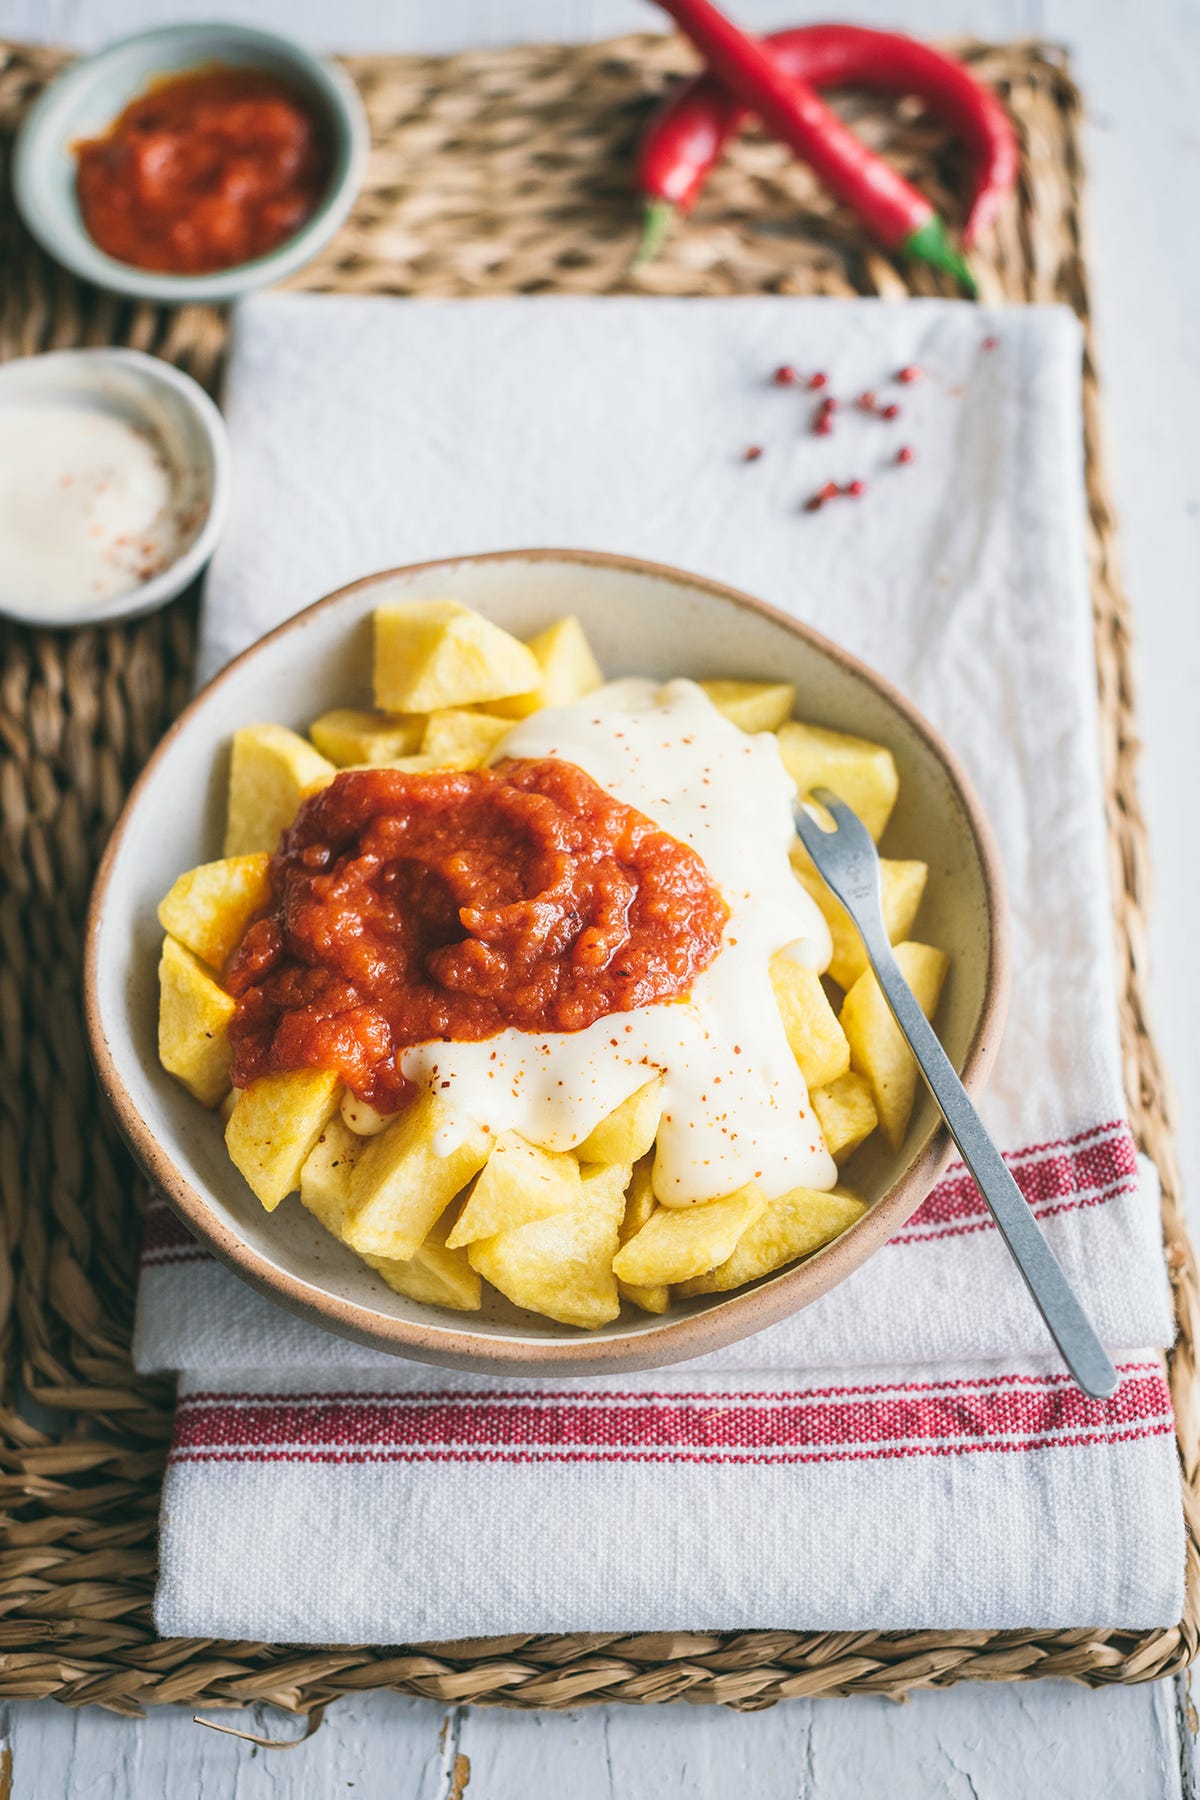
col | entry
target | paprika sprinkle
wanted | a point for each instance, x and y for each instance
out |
(203, 171)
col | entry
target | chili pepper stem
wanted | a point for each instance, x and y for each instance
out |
(657, 220)
(930, 243)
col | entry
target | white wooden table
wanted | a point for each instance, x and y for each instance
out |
(1140, 71)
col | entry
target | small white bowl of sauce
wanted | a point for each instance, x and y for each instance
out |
(114, 483)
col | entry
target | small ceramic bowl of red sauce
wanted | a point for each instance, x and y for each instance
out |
(191, 163)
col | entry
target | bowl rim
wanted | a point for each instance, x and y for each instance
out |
(75, 249)
(146, 596)
(679, 1336)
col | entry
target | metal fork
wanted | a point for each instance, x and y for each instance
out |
(849, 863)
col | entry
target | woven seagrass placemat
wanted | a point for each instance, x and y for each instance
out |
(496, 172)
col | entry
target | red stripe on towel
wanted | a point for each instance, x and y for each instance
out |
(1002, 1414)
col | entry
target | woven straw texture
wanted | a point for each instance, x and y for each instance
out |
(496, 172)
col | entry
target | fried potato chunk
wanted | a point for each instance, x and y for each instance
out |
(327, 1173)
(639, 1204)
(859, 772)
(817, 1040)
(193, 1024)
(752, 705)
(435, 1275)
(628, 1131)
(567, 670)
(902, 885)
(209, 908)
(520, 1183)
(677, 1243)
(418, 764)
(431, 654)
(461, 737)
(793, 1225)
(403, 1182)
(274, 1125)
(270, 771)
(877, 1046)
(348, 736)
(562, 1266)
(845, 1112)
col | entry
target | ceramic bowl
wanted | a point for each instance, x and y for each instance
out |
(88, 96)
(187, 429)
(641, 618)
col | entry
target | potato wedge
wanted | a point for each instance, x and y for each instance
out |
(877, 1047)
(431, 654)
(902, 885)
(417, 764)
(752, 705)
(845, 1112)
(464, 738)
(402, 1184)
(677, 1243)
(629, 1131)
(519, 1184)
(639, 1204)
(209, 908)
(859, 772)
(274, 1126)
(193, 1024)
(817, 1040)
(327, 1173)
(794, 1225)
(562, 1266)
(347, 736)
(270, 770)
(435, 1275)
(567, 670)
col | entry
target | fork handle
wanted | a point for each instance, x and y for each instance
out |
(1066, 1320)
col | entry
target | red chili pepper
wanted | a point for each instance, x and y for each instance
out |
(691, 129)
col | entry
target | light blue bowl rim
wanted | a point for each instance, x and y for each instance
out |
(48, 124)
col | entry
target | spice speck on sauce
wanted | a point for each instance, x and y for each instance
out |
(784, 376)
(906, 454)
(752, 453)
(909, 374)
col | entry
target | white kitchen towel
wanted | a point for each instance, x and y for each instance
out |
(373, 432)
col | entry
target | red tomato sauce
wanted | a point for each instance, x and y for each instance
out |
(407, 908)
(203, 171)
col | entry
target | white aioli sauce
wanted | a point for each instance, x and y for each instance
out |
(86, 505)
(735, 1105)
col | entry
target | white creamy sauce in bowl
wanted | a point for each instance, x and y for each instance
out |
(113, 485)
(88, 504)
(735, 1106)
